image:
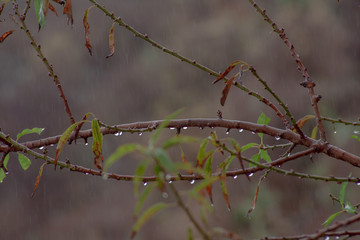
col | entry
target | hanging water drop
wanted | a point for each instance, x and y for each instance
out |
(251, 174)
(170, 182)
(253, 132)
(41, 148)
(356, 132)
(277, 138)
(326, 238)
(165, 195)
(334, 131)
(86, 143)
(241, 130)
(105, 176)
(235, 177)
(192, 181)
(145, 183)
(201, 127)
(140, 133)
(358, 183)
(117, 134)
(227, 131)
(172, 128)
(185, 128)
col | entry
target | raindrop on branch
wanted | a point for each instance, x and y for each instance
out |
(241, 130)
(185, 128)
(235, 177)
(105, 176)
(41, 148)
(251, 174)
(253, 132)
(145, 183)
(227, 131)
(192, 181)
(140, 133)
(277, 138)
(165, 195)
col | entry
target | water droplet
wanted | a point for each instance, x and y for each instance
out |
(86, 143)
(192, 181)
(172, 128)
(337, 237)
(201, 128)
(105, 176)
(229, 209)
(145, 183)
(235, 177)
(185, 128)
(326, 238)
(170, 182)
(358, 183)
(227, 131)
(51, 145)
(41, 148)
(168, 177)
(334, 131)
(277, 138)
(87, 173)
(251, 174)
(118, 134)
(7, 172)
(241, 130)
(288, 155)
(165, 195)
(356, 132)
(140, 133)
(211, 204)
(253, 132)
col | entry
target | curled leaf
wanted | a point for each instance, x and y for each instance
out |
(87, 31)
(226, 90)
(111, 41)
(68, 11)
(29, 131)
(97, 144)
(224, 189)
(256, 194)
(303, 120)
(5, 35)
(38, 179)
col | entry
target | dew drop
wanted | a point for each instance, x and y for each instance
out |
(170, 182)
(7, 172)
(192, 181)
(140, 133)
(251, 174)
(235, 177)
(358, 183)
(185, 128)
(253, 132)
(326, 238)
(172, 128)
(277, 138)
(241, 130)
(165, 195)
(145, 183)
(334, 131)
(227, 131)
(87, 173)
(41, 148)
(201, 128)
(86, 143)
(117, 134)
(51, 145)
(288, 155)
(356, 132)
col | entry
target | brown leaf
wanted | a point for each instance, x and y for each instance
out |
(45, 6)
(226, 90)
(68, 11)
(256, 194)
(99, 158)
(224, 190)
(111, 41)
(224, 74)
(38, 179)
(184, 160)
(51, 7)
(87, 31)
(5, 35)
(209, 192)
(2, 7)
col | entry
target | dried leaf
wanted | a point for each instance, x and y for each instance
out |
(68, 11)
(226, 90)
(2, 7)
(5, 35)
(51, 7)
(303, 120)
(224, 189)
(256, 194)
(87, 31)
(38, 179)
(45, 6)
(111, 41)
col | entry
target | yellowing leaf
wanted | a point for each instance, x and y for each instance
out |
(226, 90)
(97, 144)
(5, 35)
(111, 41)
(68, 11)
(38, 179)
(303, 120)
(87, 31)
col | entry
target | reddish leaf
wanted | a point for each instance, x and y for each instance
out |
(5, 35)
(111, 41)
(45, 6)
(68, 11)
(38, 179)
(209, 192)
(226, 90)
(2, 7)
(97, 144)
(256, 194)
(224, 189)
(184, 160)
(51, 7)
(87, 31)
(224, 74)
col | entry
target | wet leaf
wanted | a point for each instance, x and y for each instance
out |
(146, 215)
(202, 152)
(5, 35)
(226, 90)
(24, 161)
(143, 196)
(97, 143)
(62, 141)
(111, 41)
(139, 173)
(38, 179)
(253, 204)
(224, 190)
(68, 11)
(29, 131)
(2, 173)
(45, 6)
(331, 218)
(87, 30)
(184, 160)
(255, 158)
(342, 192)
(204, 184)
(120, 152)
(39, 11)
(190, 235)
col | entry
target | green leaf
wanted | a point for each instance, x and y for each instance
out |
(331, 218)
(314, 132)
(224, 190)
(264, 155)
(349, 208)
(164, 160)
(28, 131)
(143, 196)
(2, 173)
(40, 15)
(98, 137)
(178, 139)
(159, 129)
(146, 215)
(263, 119)
(249, 145)
(63, 139)
(202, 185)
(190, 235)
(139, 173)
(120, 152)
(342, 192)
(208, 164)
(356, 137)
(24, 161)
(202, 151)
(255, 158)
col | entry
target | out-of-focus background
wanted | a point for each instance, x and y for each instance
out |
(142, 83)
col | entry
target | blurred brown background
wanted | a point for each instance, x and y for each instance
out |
(142, 83)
